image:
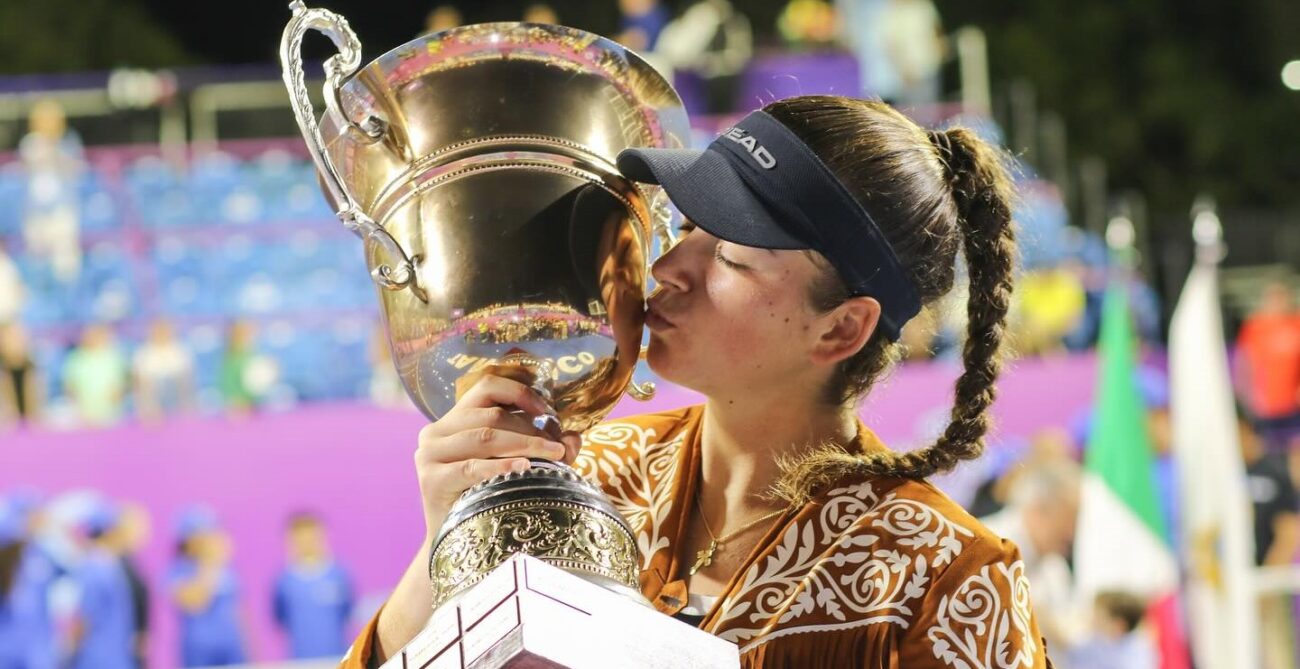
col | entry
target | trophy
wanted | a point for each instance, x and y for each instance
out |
(477, 165)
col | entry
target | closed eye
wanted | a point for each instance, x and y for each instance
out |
(717, 255)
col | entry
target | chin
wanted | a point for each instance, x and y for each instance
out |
(669, 367)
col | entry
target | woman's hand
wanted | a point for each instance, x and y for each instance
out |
(489, 432)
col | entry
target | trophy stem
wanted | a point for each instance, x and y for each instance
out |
(541, 378)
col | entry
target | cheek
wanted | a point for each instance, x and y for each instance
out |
(737, 329)
(750, 318)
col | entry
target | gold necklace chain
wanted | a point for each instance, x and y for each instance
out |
(704, 558)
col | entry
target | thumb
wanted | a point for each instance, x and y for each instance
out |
(572, 444)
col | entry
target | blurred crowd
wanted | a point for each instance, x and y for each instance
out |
(73, 595)
(103, 383)
(135, 329)
(899, 45)
(1031, 496)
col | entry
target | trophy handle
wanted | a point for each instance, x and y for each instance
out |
(662, 226)
(337, 68)
(644, 391)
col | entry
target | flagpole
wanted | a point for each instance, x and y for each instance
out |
(1222, 584)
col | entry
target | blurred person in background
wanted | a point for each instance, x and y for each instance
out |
(12, 290)
(1117, 640)
(1153, 386)
(52, 156)
(27, 575)
(22, 388)
(805, 24)
(103, 633)
(15, 613)
(26, 630)
(541, 13)
(1046, 448)
(205, 589)
(1049, 304)
(385, 385)
(916, 48)
(443, 17)
(313, 594)
(712, 40)
(239, 372)
(128, 538)
(1039, 518)
(163, 371)
(1268, 357)
(95, 378)
(860, 31)
(1277, 537)
(640, 24)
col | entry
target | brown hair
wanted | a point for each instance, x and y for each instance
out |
(302, 519)
(1126, 608)
(930, 193)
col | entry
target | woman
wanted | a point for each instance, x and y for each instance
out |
(773, 518)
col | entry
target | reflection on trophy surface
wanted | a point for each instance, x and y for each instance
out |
(478, 166)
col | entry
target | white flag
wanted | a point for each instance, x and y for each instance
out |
(1218, 538)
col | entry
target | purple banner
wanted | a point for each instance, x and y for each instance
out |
(352, 464)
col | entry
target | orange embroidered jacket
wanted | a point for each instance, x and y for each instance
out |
(880, 573)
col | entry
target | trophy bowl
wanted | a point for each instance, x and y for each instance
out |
(477, 164)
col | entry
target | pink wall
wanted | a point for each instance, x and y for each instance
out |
(352, 464)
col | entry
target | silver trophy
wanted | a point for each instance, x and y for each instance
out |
(477, 164)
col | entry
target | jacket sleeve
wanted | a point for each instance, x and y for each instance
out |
(358, 655)
(977, 611)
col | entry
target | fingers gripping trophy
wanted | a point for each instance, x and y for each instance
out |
(477, 166)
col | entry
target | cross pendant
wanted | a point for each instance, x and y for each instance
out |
(704, 558)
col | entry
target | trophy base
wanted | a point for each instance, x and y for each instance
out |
(528, 614)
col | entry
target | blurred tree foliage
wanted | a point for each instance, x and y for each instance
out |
(1178, 96)
(39, 36)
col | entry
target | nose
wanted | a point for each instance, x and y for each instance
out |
(674, 268)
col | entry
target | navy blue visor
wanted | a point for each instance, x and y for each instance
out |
(759, 185)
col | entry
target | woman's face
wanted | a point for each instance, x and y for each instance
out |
(728, 319)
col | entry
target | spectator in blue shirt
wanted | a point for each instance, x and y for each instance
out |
(103, 635)
(205, 589)
(641, 23)
(1118, 640)
(313, 595)
(26, 575)
(15, 612)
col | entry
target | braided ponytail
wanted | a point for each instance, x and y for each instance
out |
(983, 193)
(929, 193)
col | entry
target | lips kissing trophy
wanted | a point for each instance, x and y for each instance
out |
(477, 165)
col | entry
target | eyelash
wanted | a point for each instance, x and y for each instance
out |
(685, 228)
(717, 255)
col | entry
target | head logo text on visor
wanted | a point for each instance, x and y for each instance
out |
(759, 185)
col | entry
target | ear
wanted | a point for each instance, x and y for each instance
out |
(845, 329)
